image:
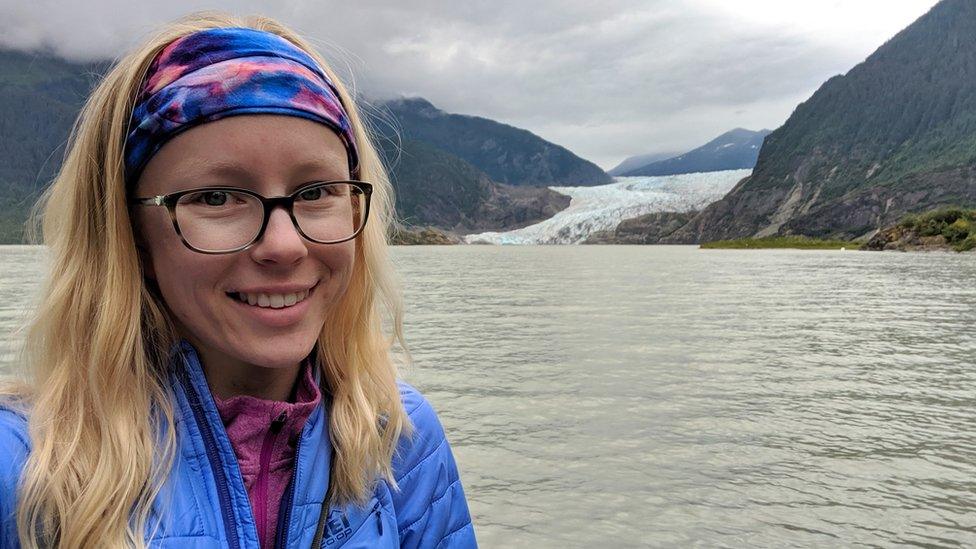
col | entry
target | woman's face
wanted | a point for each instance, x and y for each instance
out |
(271, 155)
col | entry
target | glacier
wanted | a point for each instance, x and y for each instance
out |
(603, 207)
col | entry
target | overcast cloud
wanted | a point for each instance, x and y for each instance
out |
(606, 80)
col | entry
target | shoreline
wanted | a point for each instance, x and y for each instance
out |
(780, 242)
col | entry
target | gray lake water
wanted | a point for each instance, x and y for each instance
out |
(670, 396)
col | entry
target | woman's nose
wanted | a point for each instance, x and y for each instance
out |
(281, 242)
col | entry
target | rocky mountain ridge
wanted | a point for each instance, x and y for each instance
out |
(896, 134)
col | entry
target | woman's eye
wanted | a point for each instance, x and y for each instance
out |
(311, 194)
(214, 198)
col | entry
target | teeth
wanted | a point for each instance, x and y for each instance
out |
(273, 301)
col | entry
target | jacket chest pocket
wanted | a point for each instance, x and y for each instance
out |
(371, 526)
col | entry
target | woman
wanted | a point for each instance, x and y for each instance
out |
(207, 364)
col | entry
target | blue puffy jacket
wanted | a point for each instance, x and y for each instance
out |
(204, 504)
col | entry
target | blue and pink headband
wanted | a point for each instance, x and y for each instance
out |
(215, 73)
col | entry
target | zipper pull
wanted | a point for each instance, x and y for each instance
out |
(279, 422)
(379, 522)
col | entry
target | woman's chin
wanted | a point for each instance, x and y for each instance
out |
(278, 355)
(269, 351)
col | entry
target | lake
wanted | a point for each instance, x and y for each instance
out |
(614, 396)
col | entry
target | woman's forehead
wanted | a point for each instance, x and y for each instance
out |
(253, 147)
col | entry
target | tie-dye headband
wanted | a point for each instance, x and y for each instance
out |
(223, 72)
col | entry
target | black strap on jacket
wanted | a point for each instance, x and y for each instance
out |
(324, 513)
(320, 528)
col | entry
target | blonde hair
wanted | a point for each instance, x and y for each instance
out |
(96, 352)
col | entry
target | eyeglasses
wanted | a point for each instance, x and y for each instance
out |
(221, 220)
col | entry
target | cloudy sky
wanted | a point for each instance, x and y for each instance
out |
(605, 79)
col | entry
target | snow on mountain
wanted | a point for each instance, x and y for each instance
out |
(733, 150)
(603, 207)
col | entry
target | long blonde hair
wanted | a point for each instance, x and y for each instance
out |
(96, 351)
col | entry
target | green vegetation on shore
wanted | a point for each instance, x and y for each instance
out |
(801, 242)
(956, 225)
(425, 236)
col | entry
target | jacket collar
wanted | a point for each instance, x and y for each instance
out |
(310, 480)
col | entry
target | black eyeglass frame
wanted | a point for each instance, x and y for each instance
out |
(288, 202)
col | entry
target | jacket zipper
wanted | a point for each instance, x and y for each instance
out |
(284, 510)
(223, 492)
(261, 483)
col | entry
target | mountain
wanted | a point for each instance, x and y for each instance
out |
(436, 188)
(896, 134)
(633, 162)
(505, 153)
(733, 150)
(40, 96)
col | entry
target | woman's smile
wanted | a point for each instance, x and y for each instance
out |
(275, 301)
(276, 310)
(276, 298)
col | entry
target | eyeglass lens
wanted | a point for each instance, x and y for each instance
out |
(220, 220)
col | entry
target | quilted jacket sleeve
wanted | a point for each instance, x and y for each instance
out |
(13, 454)
(431, 509)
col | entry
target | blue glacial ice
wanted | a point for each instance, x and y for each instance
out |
(602, 208)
